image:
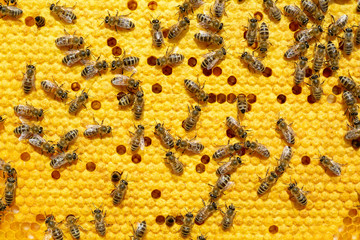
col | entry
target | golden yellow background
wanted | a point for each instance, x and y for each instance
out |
(319, 126)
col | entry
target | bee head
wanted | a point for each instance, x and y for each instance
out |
(40, 113)
(265, 1)
(322, 46)
(244, 135)
(244, 54)
(334, 68)
(155, 21)
(348, 30)
(74, 156)
(81, 40)
(52, 7)
(50, 221)
(87, 52)
(223, 50)
(157, 126)
(160, 61)
(139, 94)
(187, 20)
(214, 194)
(305, 21)
(178, 142)
(182, 9)
(169, 154)
(104, 65)
(307, 44)
(237, 146)
(141, 127)
(247, 144)
(221, 26)
(304, 58)
(85, 96)
(113, 65)
(41, 130)
(280, 121)
(214, 205)
(232, 207)
(64, 95)
(253, 20)
(315, 81)
(238, 159)
(320, 28)
(280, 169)
(291, 186)
(321, 17)
(124, 182)
(189, 215)
(197, 108)
(324, 160)
(273, 175)
(107, 19)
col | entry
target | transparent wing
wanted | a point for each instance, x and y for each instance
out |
(120, 80)
(66, 17)
(229, 185)
(72, 52)
(58, 156)
(24, 135)
(209, 54)
(142, 142)
(288, 135)
(93, 127)
(212, 64)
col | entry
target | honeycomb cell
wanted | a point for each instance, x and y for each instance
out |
(217, 71)
(353, 212)
(267, 72)
(221, 98)
(192, 62)
(152, 5)
(170, 221)
(116, 51)
(258, 15)
(296, 90)
(231, 98)
(251, 98)
(75, 86)
(273, 229)
(121, 149)
(29, 21)
(156, 88)
(111, 42)
(132, 5)
(167, 70)
(151, 61)
(160, 219)
(207, 72)
(231, 80)
(200, 168)
(55, 174)
(212, 98)
(25, 156)
(336, 90)
(293, 26)
(327, 72)
(136, 158)
(305, 160)
(147, 141)
(281, 98)
(205, 159)
(156, 194)
(230, 133)
(96, 105)
(179, 219)
(90, 166)
(331, 98)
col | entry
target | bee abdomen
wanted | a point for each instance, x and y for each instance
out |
(178, 167)
(226, 223)
(348, 48)
(207, 61)
(28, 85)
(203, 37)
(347, 83)
(185, 231)
(191, 86)
(9, 197)
(189, 124)
(100, 228)
(219, 154)
(74, 107)
(242, 107)
(175, 58)
(263, 151)
(276, 14)
(131, 61)
(158, 39)
(169, 141)
(263, 188)
(317, 95)
(87, 71)
(138, 110)
(196, 147)
(318, 62)
(357, 35)
(135, 145)
(299, 77)
(90, 133)
(118, 197)
(57, 234)
(75, 232)
(125, 24)
(302, 200)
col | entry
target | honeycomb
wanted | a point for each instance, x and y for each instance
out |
(154, 193)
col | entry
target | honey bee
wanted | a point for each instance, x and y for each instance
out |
(28, 111)
(78, 102)
(352, 110)
(242, 104)
(296, 14)
(348, 83)
(310, 7)
(64, 13)
(26, 131)
(92, 68)
(166, 138)
(219, 8)
(331, 165)
(156, 33)
(273, 10)
(40, 21)
(228, 218)
(189, 5)
(357, 36)
(137, 140)
(189, 145)
(69, 40)
(308, 34)
(319, 57)
(252, 62)
(258, 148)
(300, 70)
(99, 220)
(8, 170)
(140, 231)
(235, 126)
(126, 100)
(177, 29)
(298, 193)
(348, 41)
(10, 11)
(230, 166)
(267, 182)
(297, 49)
(74, 228)
(119, 21)
(127, 63)
(129, 83)
(264, 36)
(222, 184)
(281, 167)
(118, 194)
(208, 37)
(349, 98)
(176, 166)
(212, 58)
(62, 159)
(75, 56)
(196, 90)
(54, 89)
(97, 130)
(205, 212)
(286, 154)
(194, 115)
(335, 28)
(334, 56)
(53, 229)
(28, 82)
(67, 138)
(185, 229)
(316, 87)
(252, 29)
(170, 58)
(139, 102)
(227, 150)
(352, 133)
(9, 192)
(42, 144)
(209, 22)
(286, 130)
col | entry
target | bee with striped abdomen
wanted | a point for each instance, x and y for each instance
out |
(67, 139)
(126, 100)
(228, 218)
(209, 37)
(319, 56)
(118, 194)
(97, 130)
(358, 6)
(324, 5)
(201, 237)
(139, 232)
(54, 89)
(205, 212)
(156, 33)
(352, 133)
(170, 58)
(348, 83)
(75, 56)
(28, 82)
(8, 170)
(94, 67)
(10, 190)
(300, 70)
(79, 102)
(99, 220)
(139, 103)
(74, 228)
(137, 139)
(331, 165)
(176, 166)
(272, 9)
(166, 138)
(209, 22)
(194, 116)
(219, 8)
(10, 11)
(298, 193)
(120, 21)
(212, 58)
(264, 36)
(242, 104)
(297, 49)
(296, 14)
(235, 126)
(227, 150)
(230, 166)
(62, 159)
(69, 40)
(177, 29)
(258, 148)
(349, 98)
(25, 130)
(42, 144)
(252, 62)
(197, 90)
(316, 87)
(335, 28)
(64, 13)
(125, 63)
(286, 154)
(310, 7)
(185, 229)
(334, 56)
(267, 182)
(189, 145)
(308, 34)
(251, 33)
(348, 41)
(129, 83)
(53, 229)
(286, 130)
(28, 111)
(40, 21)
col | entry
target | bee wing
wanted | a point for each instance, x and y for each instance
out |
(130, 68)
(142, 142)
(212, 64)
(120, 80)
(197, 4)
(209, 54)
(48, 234)
(12, 8)
(288, 135)
(36, 140)
(72, 52)
(58, 156)
(87, 62)
(93, 127)
(291, 130)
(66, 17)
(229, 185)
(24, 135)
